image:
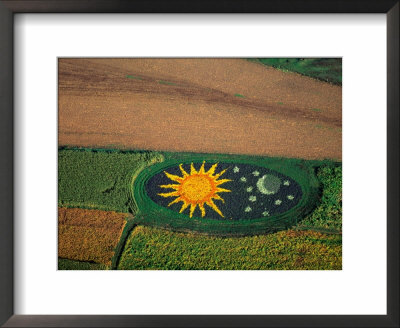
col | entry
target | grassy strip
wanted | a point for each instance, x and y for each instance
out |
(65, 264)
(130, 224)
(325, 69)
(99, 178)
(156, 249)
(89, 235)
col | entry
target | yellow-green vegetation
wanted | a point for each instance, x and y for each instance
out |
(99, 179)
(156, 249)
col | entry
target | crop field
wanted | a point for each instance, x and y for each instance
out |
(89, 235)
(154, 249)
(201, 105)
(200, 164)
(99, 179)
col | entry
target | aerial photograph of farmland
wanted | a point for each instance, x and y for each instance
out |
(199, 164)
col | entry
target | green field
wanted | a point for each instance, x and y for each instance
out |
(324, 69)
(99, 179)
(104, 180)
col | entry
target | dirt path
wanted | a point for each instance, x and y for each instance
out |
(201, 105)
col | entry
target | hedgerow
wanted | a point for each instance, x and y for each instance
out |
(328, 214)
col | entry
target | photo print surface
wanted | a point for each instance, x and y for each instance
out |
(200, 164)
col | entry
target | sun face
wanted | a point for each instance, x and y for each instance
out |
(196, 189)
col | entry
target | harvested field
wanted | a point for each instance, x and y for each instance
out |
(200, 105)
(89, 235)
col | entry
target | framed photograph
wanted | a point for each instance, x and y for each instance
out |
(208, 164)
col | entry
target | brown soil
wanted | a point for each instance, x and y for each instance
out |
(195, 105)
(89, 235)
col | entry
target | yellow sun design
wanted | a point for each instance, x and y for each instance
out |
(197, 188)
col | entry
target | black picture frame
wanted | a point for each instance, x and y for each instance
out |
(7, 11)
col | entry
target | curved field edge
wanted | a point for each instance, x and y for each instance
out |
(150, 248)
(150, 213)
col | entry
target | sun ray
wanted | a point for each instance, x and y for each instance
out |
(192, 169)
(219, 182)
(211, 171)
(173, 177)
(203, 211)
(192, 208)
(196, 188)
(219, 174)
(219, 198)
(170, 194)
(184, 206)
(184, 173)
(214, 207)
(222, 190)
(176, 200)
(170, 186)
(201, 171)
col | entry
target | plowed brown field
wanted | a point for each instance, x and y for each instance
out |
(89, 235)
(199, 105)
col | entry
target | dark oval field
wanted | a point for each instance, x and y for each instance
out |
(224, 191)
